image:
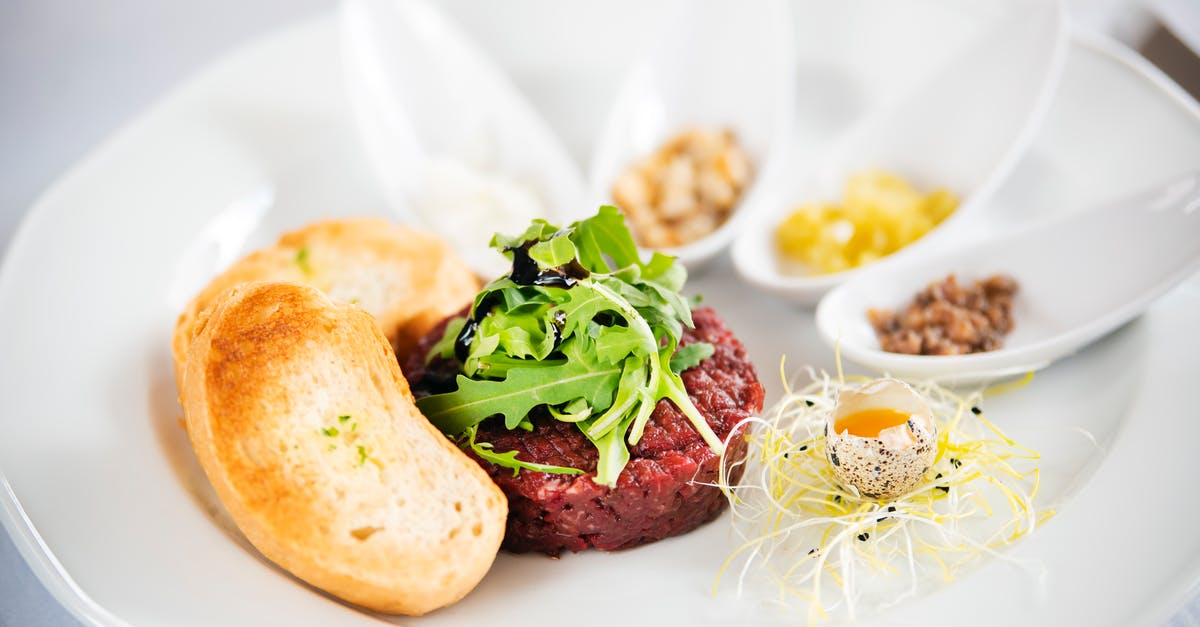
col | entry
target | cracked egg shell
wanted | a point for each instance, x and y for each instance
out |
(882, 463)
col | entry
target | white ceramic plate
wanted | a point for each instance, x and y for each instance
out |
(105, 500)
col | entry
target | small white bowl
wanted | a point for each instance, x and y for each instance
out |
(963, 128)
(715, 64)
(1135, 249)
(427, 100)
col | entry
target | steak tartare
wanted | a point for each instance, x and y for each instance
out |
(660, 493)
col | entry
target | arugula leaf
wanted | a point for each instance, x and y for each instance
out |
(632, 376)
(444, 347)
(619, 342)
(596, 350)
(519, 393)
(558, 251)
(498, 365)
(582, 303)
(668, 300)
(575, 411)
(539, 230)
(672, 388)
(690, 355)
(605, 235)
(613, 456)
(521, 333)
(663, 270)
(509, 460)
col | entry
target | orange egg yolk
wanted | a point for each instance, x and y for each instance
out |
(869, 422)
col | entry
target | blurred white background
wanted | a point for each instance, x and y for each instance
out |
(73, 72)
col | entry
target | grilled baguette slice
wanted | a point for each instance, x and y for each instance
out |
(408, 279)
(301, 419)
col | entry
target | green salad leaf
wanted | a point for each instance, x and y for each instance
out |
(509, 459)
(553, 382)
(581, 329)
(691, 355)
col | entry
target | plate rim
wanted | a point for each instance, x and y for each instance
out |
(41, 558)
(38, 555)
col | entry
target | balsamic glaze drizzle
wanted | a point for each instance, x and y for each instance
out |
(462, 343)
(525, 271)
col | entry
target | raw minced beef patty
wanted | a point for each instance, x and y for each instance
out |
(660, 493)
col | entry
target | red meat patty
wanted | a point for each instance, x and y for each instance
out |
(660, 493)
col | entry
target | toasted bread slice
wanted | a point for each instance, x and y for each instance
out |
(300, 417)
(408, 279)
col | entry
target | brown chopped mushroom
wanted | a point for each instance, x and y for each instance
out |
(949, 319)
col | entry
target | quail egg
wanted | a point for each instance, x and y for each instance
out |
(881, 439)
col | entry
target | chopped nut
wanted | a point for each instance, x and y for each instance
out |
(685, 190)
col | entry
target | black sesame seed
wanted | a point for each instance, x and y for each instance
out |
(939, 476)
(976, 411)
(943, 488)
(808, 402)
(803, 448)
(891, 508)
(862, 537)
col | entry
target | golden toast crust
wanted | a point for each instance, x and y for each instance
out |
(408, 279)
(300, 417)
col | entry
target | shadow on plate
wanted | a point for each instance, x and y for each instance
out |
(167, 422)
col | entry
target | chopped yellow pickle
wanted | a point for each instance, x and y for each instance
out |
(880, 214)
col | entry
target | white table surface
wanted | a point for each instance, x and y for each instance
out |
(71, 73)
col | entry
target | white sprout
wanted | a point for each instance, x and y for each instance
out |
(815, 539)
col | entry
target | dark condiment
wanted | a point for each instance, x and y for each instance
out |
(559, 321)
(462, 343)
(438, 379)
(525, 271)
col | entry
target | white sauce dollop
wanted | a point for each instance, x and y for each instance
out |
(467, 204)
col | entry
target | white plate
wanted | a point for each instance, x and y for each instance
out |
(106, 501)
